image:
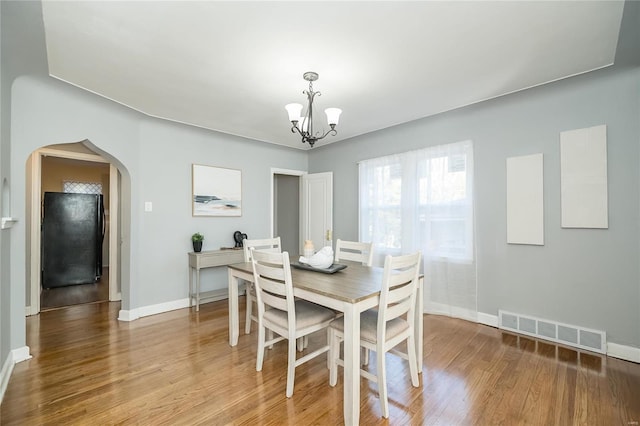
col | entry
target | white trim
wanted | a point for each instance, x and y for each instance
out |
(628, 353)
(5, 374)
(114, 217)
(159, 308)
(8, 222)
(450, 311)
(128, 315)
(488, 319)
(276, 171)
(35, 284)
(145, 311)
(13, 357)
(52, 152)
(21, 354)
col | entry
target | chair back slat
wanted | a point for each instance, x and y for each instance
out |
(272, 278)
(264, 244)
(354, 251)
(399, 288)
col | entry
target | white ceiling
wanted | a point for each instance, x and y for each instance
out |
(232, 66)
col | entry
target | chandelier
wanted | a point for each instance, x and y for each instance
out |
(304, 125)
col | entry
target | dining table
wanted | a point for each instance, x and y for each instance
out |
(351, 291)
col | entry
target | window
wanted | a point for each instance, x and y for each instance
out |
(423, 200)
(420, 198)
(81, 187)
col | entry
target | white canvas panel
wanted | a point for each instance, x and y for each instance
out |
(583, 178)
(525, 206)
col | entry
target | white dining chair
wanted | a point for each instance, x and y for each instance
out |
(268, 244)
(280, 313)
(382, 329)
(354, 251)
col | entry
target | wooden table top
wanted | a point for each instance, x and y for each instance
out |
(352, 284)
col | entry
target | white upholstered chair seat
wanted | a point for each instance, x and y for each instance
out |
(307, 314)
(369, 326)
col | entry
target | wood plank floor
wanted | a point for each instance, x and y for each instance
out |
(58, 297)
(177, 368)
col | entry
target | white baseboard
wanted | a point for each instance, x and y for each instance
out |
(145, 311)
(488, 319)
(450, 311)
(128, 315)
(21, 354)
(628, 353)
(5, 374)
(13, 357)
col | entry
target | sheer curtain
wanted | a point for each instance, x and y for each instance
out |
(423, 200)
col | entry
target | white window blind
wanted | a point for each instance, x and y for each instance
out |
(423, 200)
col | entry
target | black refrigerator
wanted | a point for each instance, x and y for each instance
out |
(72, 235)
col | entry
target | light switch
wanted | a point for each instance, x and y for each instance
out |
(148, 206)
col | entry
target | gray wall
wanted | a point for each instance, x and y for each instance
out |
(583, 277)
(22, 51)
(169, 150)
(157, 157)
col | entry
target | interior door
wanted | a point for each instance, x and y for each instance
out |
(316, 209)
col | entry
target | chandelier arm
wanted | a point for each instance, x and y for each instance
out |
(294, 129)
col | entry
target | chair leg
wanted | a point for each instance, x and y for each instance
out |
(291, 369)
(300, 344)
(364, 355)
(382, 381)
(247, 321)
(269, 337)
(332, 357)
(260, 356)
(413, 364)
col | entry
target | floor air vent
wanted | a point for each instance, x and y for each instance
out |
(571, 335)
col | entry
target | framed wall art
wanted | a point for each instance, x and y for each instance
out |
(216, 191)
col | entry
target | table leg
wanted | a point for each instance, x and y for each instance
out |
(234, 322)
(351, 365)
(190, 286)
(197, 290)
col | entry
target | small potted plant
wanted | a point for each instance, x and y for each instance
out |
(196, 239)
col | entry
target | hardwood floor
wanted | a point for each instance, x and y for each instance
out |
(58, 297)
(177, 368)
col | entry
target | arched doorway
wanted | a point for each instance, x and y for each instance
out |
(73, 153)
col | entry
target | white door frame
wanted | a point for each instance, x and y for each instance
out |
(35, 219)
(274, 172)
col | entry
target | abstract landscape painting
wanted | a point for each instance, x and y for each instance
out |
(216, 191)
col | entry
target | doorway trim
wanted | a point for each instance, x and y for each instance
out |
(35, 219)
(274, 172)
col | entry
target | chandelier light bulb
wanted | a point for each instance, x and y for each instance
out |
(333, 115)
(294, 111)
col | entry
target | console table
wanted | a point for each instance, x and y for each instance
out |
(208, 259)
